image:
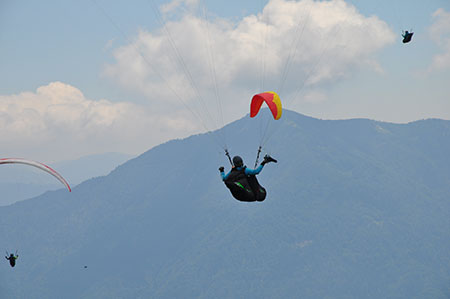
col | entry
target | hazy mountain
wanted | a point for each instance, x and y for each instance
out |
(355, 209)
(18, 182)
(79, 170)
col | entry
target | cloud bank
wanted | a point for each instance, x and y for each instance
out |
(288, 46)
(58, 122)
(198, 72)
(440, 33)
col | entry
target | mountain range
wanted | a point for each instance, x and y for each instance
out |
(355, 209)
(19, 182)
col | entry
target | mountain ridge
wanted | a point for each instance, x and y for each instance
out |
(352, 211)
(19, 182)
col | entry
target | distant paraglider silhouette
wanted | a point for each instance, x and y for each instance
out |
(407, 36)
(12, 258)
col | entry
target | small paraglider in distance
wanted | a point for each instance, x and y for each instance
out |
(37, 165)
(407, 36)
(12, 258)
(85, 267)
(242, 181)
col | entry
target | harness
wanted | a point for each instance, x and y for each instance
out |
(244, 187)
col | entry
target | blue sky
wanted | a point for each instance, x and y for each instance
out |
(82, 54)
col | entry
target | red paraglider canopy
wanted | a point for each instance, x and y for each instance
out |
(272, 100)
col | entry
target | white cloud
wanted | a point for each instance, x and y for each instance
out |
(440, 33)
(175, 4)
(314, 96)
(109, 45)
(330, 38)
(58, 121)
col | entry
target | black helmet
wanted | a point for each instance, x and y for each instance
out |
(237, 161)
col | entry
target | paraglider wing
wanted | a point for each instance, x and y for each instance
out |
(37, 165)
(272, 100)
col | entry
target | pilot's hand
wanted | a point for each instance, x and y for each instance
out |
(221, 169)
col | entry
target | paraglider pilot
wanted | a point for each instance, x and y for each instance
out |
(407, 36)
(12, 259)
(242, 181)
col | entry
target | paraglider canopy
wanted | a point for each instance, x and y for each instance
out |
(272, 100)
(37, 165)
